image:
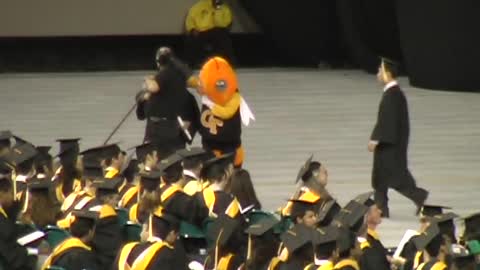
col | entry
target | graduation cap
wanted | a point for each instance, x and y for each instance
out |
(262, 226)
(150, 180)
(300, 207)
(390, 64)
(192, 152)
(39, 185)
(425, 238)
(19, 140)
(304, 169)
(83, 219)
(365, 199)
(170, 163)
(432, 210)
(328, 210)
(222, 230)
(143, 150)
(352, 216)
(216, 165)
(5, 137)
(43, 156)
(92, 171)
(446, 224)
(107, 186)
(101, 152)
(68, 146)
(472, 225)
(20, 154)
(325, 235)
(297, 237)
(346, 239)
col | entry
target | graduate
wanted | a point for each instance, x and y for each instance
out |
(325, 244)
(433, 243)
(346, 244)
(12, 255)
(67, 178)
(43, 163)
(156, 251)
(389, 143)
(263, 243)
(192, 163)
(314, 178)
(223, 110)
(298, 242)
(76, 253)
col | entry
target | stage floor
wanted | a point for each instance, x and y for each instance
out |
(299, 112)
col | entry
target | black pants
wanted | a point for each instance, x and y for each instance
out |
(414, 193)
(214, 42)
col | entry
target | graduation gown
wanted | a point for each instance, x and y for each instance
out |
(185, 207)
(158, 255)
(347, 264)
(374, 254)
(129, 198)
(108, 236)
(432, 265)
(219, 202)
(293, 264)
(409, 252)
(72, 254)
(392, 131)
(12, 255)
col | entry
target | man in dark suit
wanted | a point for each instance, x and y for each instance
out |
(389, 143)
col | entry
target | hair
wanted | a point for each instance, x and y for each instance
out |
(173, 173)
(264, 249)
(44, 209)
(81, 227)
(163, 56)
(312, 168)
(391, 67)
(191, 163)
(162, 228)
(433, 248)
(214, 172)
(148, 203)
(25, 167)
(242, 188)
(304, 253)
(325, 251)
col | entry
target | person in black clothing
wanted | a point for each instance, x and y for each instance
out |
(389, 143)
(12, 255)
(164, 101)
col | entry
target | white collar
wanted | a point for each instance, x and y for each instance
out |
(21, 178)
(153, 239)
(190, 173)
(390, 85)
(320, 262)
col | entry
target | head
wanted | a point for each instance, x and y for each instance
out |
(83, 229)
(326, 251)
(387, 71)
(264, 249)
(166, 229)
(6, 192)
(374, 216)
(219, 173)
(317, 172)
(242, 188)
(305, 215)
(193, 164)
(437, 246)
(116, 161)
(26, 167)
(163, 56)
(108, 198)
(43, 209)
(174, 174)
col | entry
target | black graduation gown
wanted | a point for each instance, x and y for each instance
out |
(409, 251)
(164, 258)
(390, 168)
(77, 259)
(107, 239)
(12, 255)
(374, 255)
(185, 207)
(347, 264)
(293, 264)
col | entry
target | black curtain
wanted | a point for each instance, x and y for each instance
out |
(441, 43)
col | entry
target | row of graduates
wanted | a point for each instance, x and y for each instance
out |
(194, 188)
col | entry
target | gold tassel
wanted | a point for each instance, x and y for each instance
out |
(217, 248)
(249, 248)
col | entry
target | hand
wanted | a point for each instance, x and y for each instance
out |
(372, 145)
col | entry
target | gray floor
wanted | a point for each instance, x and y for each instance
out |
(299, 112)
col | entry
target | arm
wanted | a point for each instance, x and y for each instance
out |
(386, 128)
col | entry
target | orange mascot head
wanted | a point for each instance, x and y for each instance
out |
(218, 80)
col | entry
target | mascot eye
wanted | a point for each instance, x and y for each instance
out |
(221, 85)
